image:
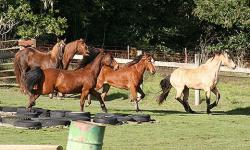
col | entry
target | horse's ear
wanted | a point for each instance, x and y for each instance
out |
(57, 39)
(82, 40)
(64, 40)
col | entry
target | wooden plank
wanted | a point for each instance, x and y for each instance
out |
(31, 147)
(12, 48)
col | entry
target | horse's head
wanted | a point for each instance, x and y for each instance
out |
(108, 60)
(82, 47)
(60, 46)
(226, 60)
(148, 62)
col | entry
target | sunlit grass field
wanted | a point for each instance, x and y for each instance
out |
(227, 128)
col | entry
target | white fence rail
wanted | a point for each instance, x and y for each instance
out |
(177, 65)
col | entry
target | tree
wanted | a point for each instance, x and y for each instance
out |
(226, 25)
(18, 16)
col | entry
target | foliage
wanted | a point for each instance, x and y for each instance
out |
(30, 24)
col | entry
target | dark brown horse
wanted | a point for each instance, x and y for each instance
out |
(29, 58)
(129, 77)
(78, 46)
(68, 81)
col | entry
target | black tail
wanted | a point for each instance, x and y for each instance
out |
(165, 86)
(33, 77)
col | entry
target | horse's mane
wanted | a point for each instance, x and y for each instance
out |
(134, 61)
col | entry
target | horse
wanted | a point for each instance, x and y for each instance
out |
(129, 77)
(40, 82)
(78, 46)
(205, 77)
(29, 58)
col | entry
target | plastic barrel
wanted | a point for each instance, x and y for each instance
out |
(85, 135)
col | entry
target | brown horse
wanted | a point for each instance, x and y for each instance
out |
(78, 46)
(68, 81)
(204, 77)
(29, 58)
(128, 77)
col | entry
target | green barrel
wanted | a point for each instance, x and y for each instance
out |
(85, 136)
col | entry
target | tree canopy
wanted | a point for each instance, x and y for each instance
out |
(158, 24)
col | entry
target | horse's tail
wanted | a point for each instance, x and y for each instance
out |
(33, 77)
(165, 86)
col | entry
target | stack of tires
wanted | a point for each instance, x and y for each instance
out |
(40, 117)
(108, 118)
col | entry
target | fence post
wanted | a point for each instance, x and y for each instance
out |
(197, 92)
(186, 56)
(128, 51)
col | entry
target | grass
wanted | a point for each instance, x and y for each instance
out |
(227, 128)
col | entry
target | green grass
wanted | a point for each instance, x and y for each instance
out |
(227, 128)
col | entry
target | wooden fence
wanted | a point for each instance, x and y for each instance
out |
(163, 59)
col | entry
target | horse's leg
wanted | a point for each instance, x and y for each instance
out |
(98, 96)
(105, 90)
(208, 94)
(185, 100)
(178, 98)
(83, 97)
(133, 92)
(32, 100)
(88, 100)
(141, 93)
(217, 93)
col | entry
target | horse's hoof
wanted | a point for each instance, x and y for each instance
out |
(104, 109)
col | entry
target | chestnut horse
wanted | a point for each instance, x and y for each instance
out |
(68, 81)
(129, 77)
(78, 46)
(204, 77)
(29, 58)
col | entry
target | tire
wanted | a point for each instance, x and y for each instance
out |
(43, 112)
(28, 124)
(49, 122)
(27, 115)
(9, 109)
(57, 113)
(104, 115)
(141, 117)
(12, 120)
(75, 118)
(107, 120)
(78, 114)
(124, 118)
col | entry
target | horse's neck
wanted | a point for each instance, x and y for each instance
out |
(213, 66)
(70, 49)
(140, 67)
(54, 53)
(95, 66)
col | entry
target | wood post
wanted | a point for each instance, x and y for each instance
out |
(197, 92)
(128, 50)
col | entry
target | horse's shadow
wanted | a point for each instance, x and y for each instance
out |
(237, 111)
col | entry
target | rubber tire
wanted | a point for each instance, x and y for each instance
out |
(9, 109)
(104, 115)
(124, 118)
(141, 117)
(48, 122)
(78, 114)
(12, 120)
(107, 120)
(43, 112)
(75, 118)
(28, 124)
(27, 115)
(58, 113)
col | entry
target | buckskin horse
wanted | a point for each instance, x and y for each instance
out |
(78, 46)
(29, 58)
(205, 77)
(68, 81)
(128, 77)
